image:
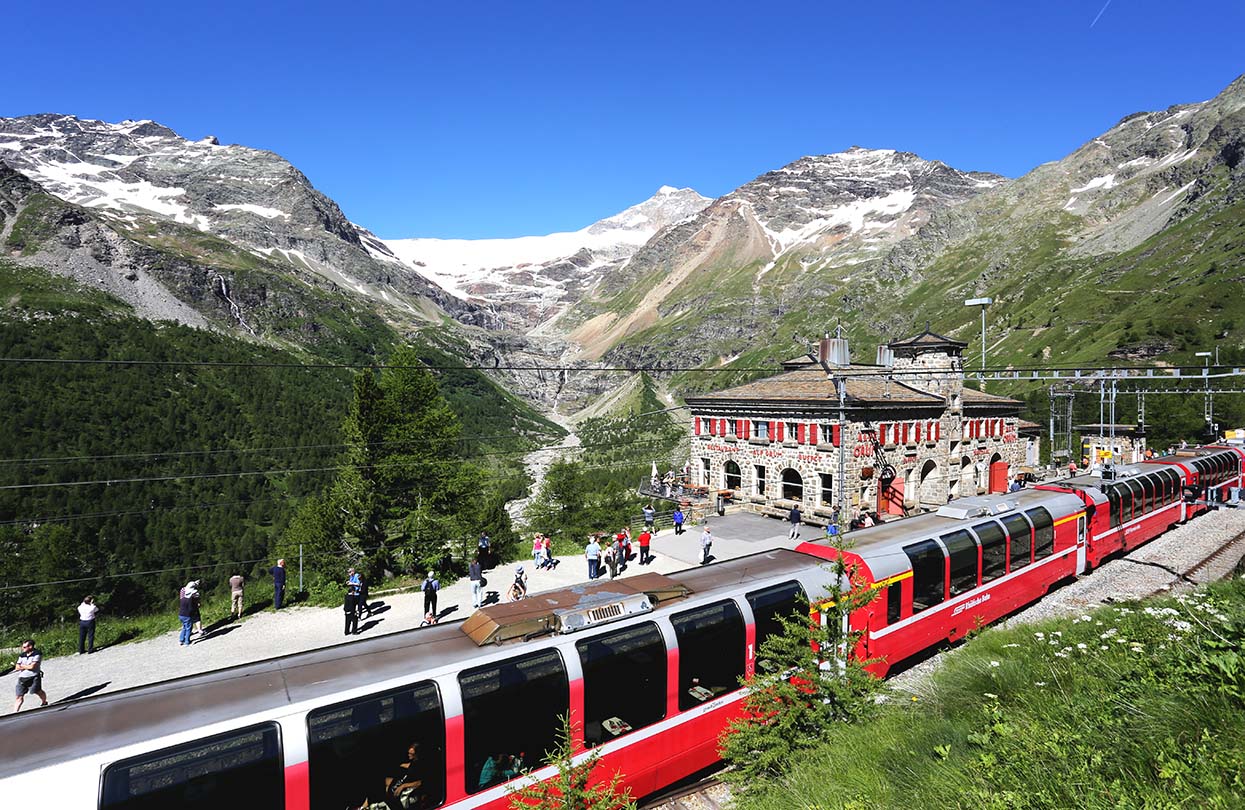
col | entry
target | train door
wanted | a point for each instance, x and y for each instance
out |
(1080, 544)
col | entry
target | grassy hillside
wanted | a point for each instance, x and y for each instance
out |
(1128, 706)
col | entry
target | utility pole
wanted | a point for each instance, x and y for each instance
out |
(840, 386)
(1208, 403)
(983, 303)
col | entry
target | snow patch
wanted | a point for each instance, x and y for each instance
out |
(1105, 182)
(1139, 161)
(1178, 192)
(258, 210)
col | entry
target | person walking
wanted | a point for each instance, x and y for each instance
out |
(278, 584)
(483, 548)
(29, 668)
(650, 517)
(477, 583)
(793, 517)
(431, 586)
(645, 538)
(186, 610)
(236, 583)
(706, 545)
(86, 625)
(592, 553)
(610, 555)
(350, 607)
(677, 517)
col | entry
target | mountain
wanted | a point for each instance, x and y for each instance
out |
(136, 187)
(526, 280)
(774, 236)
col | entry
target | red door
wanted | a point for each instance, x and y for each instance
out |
(998, 476)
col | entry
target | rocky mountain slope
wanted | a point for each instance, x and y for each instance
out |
(771, 238)
(1128, 247)
(129, 195)
(528, 280)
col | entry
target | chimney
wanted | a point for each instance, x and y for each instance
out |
(839, 355)
(886, 357)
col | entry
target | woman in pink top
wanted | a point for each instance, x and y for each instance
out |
(538, 550)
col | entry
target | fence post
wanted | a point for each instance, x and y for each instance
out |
(300, 567)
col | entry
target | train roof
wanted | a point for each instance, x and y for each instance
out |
(881, 546)
(79, 728)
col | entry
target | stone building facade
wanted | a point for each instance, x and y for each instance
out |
(898, 437)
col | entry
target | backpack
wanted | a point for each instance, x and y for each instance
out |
(429, 585)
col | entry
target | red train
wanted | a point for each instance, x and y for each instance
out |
(648, 667)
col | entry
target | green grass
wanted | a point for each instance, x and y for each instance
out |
(41, 216)
(30, 293)
(1129, 706)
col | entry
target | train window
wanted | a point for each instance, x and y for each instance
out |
(894, 599)
(711, 652)
(1043, 532)
(238, 767)
(1021, 536)
(1113, 504)
(1134, 487)
(1147, 493)
(929, 575)
(390, 744)
(511, 713)
(1173, 485)
(962, 549)
(624, 682)
(770, 603)
(993, 550)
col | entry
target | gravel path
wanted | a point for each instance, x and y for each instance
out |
(1157, 566)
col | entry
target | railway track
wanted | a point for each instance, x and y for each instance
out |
(710, 793)
(1216, 565)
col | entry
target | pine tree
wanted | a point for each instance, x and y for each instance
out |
(572, 787)
(805, 682)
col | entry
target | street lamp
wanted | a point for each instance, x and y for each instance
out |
(983, 303)
(1208, 407)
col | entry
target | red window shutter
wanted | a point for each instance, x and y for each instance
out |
(812, 434)
(836, 435)
(906, 428)
(937, 431)
(773, 431)
(697, 425)
(801, 433)
(721, 427)
(739, 429)
(916, 427)
(747, 423)
(781, 429)
(712, 426)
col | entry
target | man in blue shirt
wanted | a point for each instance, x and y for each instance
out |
(592, 552)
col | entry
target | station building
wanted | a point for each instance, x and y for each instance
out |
(908, 432)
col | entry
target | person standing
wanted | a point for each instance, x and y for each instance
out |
(650, 517)
(706, 545)
(86, 625)
(364, 609)
(431, 586)
(483, 546)
(677, 517)
(610, 555)
(29, 668)
(278, 584)
(550, 562)
(186, 612)
(793, 517)
(350, 607)
(236, 583)
(645, 539)
(538, 551)
(592, 553)
(477, 583)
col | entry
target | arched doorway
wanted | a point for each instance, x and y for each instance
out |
(930, 485)
(966, 484)
(792, 485)
(733, 478)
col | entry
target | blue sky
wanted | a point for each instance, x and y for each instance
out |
(505, 119)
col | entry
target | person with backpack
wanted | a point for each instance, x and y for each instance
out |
(431, 586)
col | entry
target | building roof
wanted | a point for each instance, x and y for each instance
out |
(926, 341)
(812, 385)
(972, 396)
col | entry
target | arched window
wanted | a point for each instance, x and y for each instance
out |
(792, 485)
(733, 477)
